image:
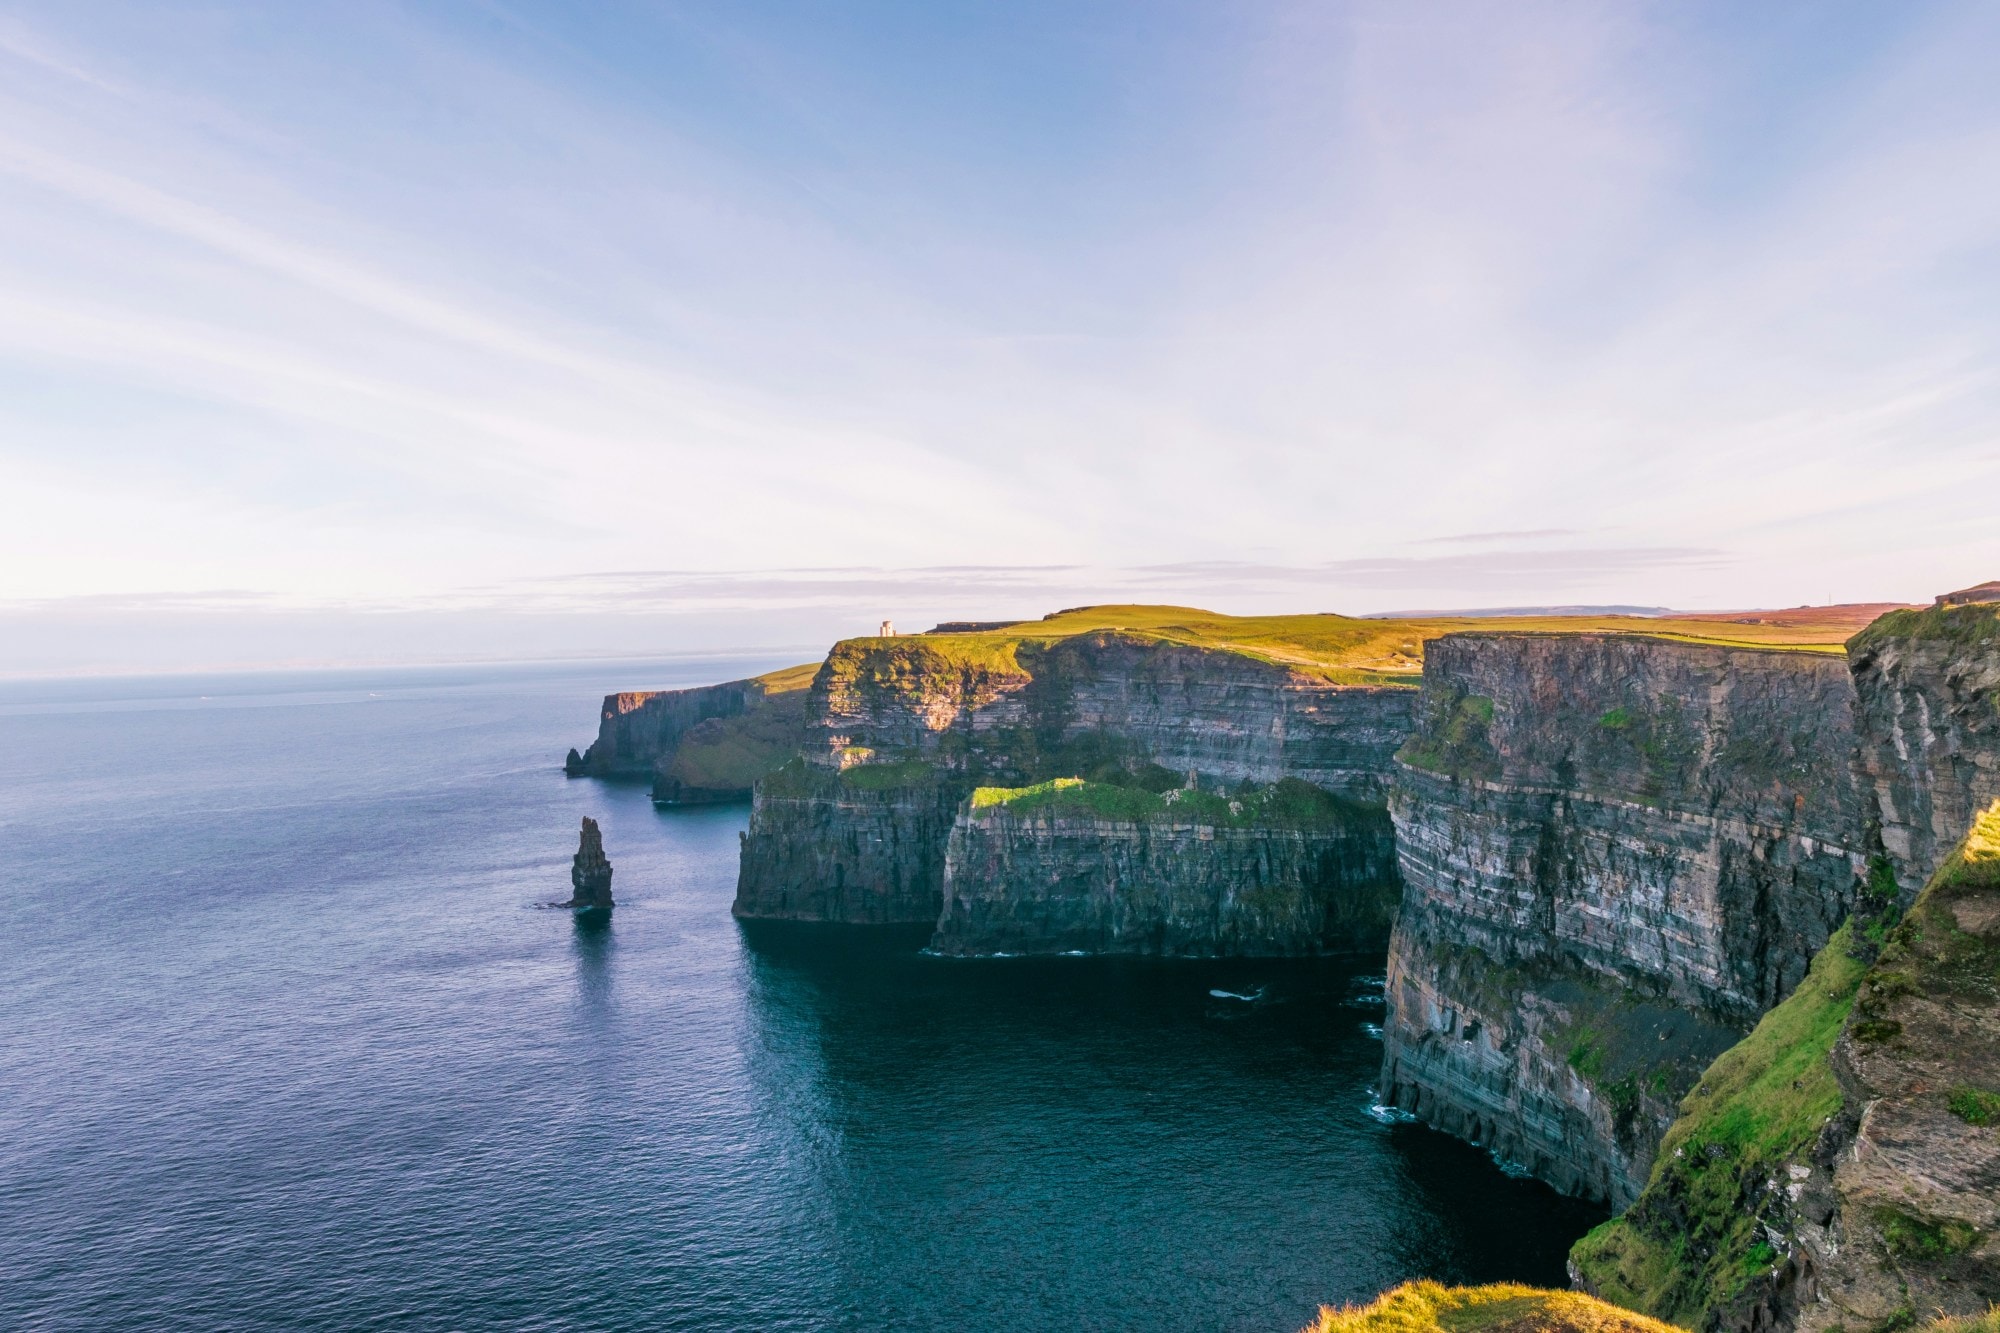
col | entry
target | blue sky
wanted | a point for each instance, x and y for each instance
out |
(372, 330)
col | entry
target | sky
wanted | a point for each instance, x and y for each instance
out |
(452, 331)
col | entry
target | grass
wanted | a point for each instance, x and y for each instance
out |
(1689, 1244)
(1343, 650)
(1459, 745)
(881, 777)
(1430, 1307)
(1975, 1106)
(1287, 803)
(785, 680)
(1910, 1238)
(1964, 625)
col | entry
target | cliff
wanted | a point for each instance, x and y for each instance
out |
(863, 846)
(1841, 1167)
(700, 745)
(901, 730)
(1927, 685)
(994, 707)
(1069, 866)
(1617, 851)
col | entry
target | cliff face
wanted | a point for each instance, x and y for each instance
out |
(1841, 1167)
(699, 745)
(1068, 869)
(1916, 1180)
(1016, 711)
(637, 727)
(919, 723)
(1616, 852)
(864, 846)
(1928, 690)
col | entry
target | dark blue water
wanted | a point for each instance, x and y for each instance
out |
(287, 1045)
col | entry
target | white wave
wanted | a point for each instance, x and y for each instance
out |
(1388, 1115)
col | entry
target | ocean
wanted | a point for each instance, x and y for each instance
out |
(290, 1043)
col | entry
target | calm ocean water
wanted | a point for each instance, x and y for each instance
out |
(288, 1045)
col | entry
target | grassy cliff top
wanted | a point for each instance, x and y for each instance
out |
(1287, 803)
(1350, 650)
(788, 680)
(1430, 1307)
(1978, 623)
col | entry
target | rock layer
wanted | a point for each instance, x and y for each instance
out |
(1616, 852)
(1927, 686)
(1068, 879)
(1840, 1169)
(864, 847)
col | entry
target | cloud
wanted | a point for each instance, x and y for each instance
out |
(1496, 538)
(1284, 305)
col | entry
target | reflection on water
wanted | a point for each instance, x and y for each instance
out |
(291, 1046)
(594, 945)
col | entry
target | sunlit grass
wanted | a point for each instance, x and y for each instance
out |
(1431, 1307)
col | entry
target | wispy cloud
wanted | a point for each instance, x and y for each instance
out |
(1496, 538)
(366, 307)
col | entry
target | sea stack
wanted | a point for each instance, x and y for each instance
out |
(573, 765)
(590, 873)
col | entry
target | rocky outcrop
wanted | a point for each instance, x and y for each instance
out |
(702, 745)
(1840, 1169)
(1915, 1151)
(589, 871)
(903, 729)
(1072, 868)
(1616, 852)
(1927, 688)
(865, 846)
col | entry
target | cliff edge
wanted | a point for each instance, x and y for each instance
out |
(1841, 1167)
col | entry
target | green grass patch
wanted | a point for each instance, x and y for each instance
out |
(1913, 1239)
(1453, 740)
(1975, 1106)
(1287, 803)
(1586, 1055)
(882, 777)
